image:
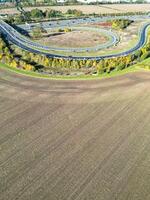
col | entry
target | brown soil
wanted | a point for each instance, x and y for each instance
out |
(88, 9)
(75, 39)
(70, 140)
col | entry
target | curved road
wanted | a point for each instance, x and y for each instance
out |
(112, 40)
(14, 38)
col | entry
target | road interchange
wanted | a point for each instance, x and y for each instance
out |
(16, 38)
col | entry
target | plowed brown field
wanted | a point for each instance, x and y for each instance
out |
(66, 140)
(89, 9)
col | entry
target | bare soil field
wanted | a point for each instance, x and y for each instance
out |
(74, 39)
(128, 38)
(66, 140)
(88, 9)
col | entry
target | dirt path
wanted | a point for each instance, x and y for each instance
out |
(66, 140)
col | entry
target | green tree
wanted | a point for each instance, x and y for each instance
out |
(37, 13)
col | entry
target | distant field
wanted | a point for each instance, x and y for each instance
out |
(87, 9)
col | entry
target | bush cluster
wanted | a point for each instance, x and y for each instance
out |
(39, 15)
(121, 23)
(7, 57)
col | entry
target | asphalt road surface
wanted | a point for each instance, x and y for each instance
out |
(112, 40)
(17, 39)
(66, 140)
(72, 22)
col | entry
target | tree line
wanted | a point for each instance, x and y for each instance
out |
(121, 23)
(38, 15)
(18, 58)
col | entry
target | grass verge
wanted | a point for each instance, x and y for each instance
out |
(82, 77)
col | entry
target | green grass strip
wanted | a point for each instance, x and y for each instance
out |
(114, 73)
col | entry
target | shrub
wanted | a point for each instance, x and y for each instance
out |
(144, 56)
